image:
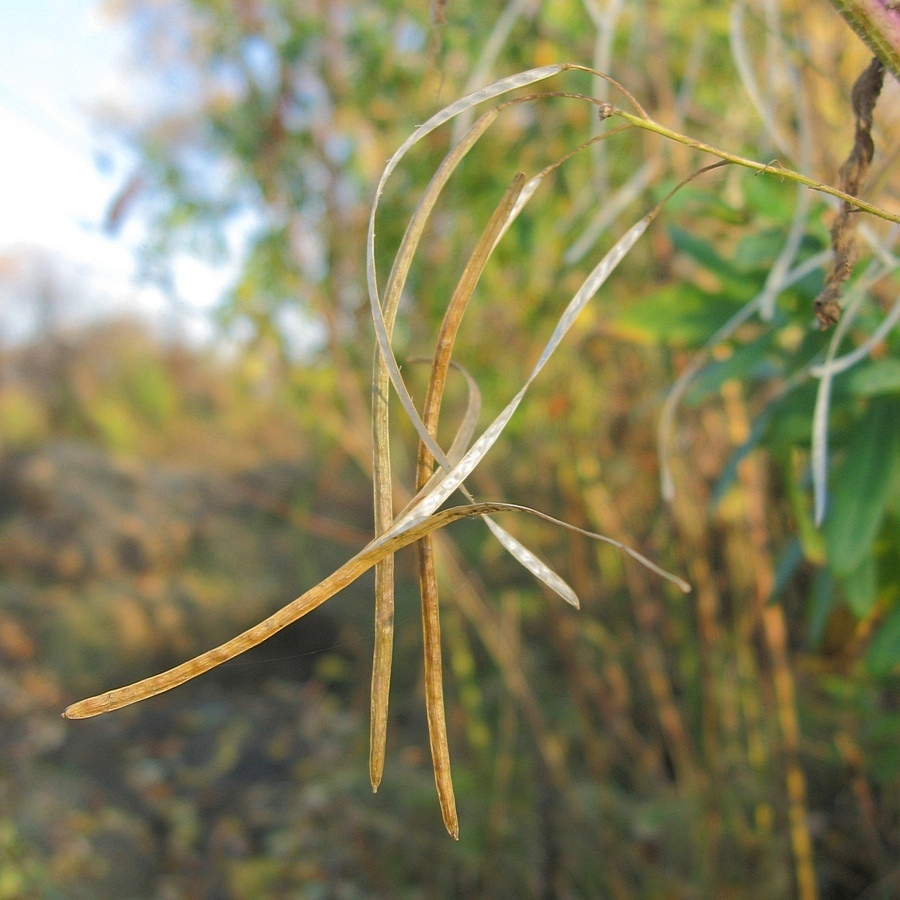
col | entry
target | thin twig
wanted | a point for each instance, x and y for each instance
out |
(607, 110)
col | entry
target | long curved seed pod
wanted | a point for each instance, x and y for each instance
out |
(374, 551)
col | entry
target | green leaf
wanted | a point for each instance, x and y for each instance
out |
(862, 486)
(811, 540)
(769, 198)
(868, 379)
(787, 565)
(883, 657)
(746, 362)
(705, 255)
(860, 586)
(679, 314)
(694, 200)
(822, 601)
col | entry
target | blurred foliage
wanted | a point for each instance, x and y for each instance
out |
(156, 500)
(860, 539)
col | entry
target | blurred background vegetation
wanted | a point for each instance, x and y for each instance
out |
(156, 497)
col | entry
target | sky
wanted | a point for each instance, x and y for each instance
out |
(60, 62)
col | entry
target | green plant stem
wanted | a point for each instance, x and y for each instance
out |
(607, 110)
(877, 22)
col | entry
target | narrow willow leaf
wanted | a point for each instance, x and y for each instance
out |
(861, 586)
(863, 486)
(883, 657)
(666, 427)
(881, 376)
